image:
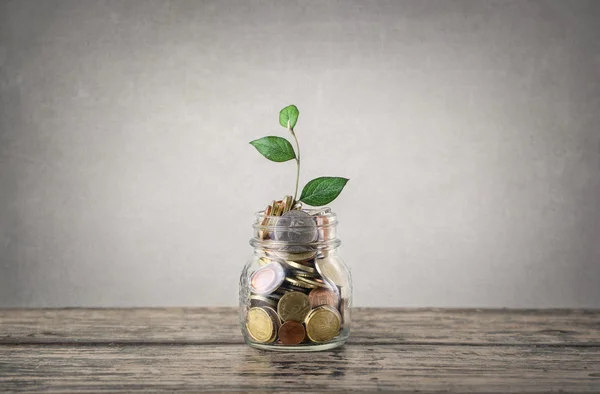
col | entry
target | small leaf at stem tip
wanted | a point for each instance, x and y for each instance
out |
(289, 116)
(322, 191)
(274, 148)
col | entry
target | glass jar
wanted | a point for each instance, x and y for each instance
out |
(295, 291)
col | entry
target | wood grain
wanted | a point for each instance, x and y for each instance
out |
(200, 349)
(197, 325)
(237, 367)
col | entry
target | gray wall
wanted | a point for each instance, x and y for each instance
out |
(470, 131)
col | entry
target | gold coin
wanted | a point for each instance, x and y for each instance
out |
(299, 283)
(278, 208)
(303, 274)
(260, 325)
(262, 233)
(312, 283)
(287, 203)
(323, 323)
(300, 267)
(293, 306)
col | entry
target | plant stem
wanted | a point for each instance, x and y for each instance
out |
(297, 162)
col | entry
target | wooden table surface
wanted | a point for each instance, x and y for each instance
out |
(201, 349)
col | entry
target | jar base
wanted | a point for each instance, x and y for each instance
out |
(309, 347)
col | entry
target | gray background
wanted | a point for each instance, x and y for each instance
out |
(469, 129)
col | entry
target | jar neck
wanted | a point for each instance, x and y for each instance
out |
(330, 245)
(296, 231)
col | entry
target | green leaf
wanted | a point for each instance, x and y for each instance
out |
(289, 116)
(274, 148)
(323, 190)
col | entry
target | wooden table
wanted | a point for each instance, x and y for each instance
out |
(200, 349)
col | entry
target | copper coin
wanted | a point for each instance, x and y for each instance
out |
(323, 296)
(291, 333)
(323, 227)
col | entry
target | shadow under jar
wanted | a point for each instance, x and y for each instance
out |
(295, 292)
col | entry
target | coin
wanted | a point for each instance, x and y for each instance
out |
(332, 271)
(296, 227)
(288, 288)
(300, 267)
(323, 228)
(323, 253)
(345, 311)
(296, 257)
(267, 278)
(262, 261)
(298, 282)
(274, 296)
(291, 333)
(303, 274)
(288, 201)
(274, 319)
(262, 233)
(319, 211)
(323, 323)
(307, 263)
(257, 300)
(278, 208)
(260, 325)
(323, 296)
(310, 282)
(293, 306)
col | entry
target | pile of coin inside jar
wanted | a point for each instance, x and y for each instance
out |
(295, 294)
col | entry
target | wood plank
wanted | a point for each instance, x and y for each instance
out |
(220, 325)
(353, 367)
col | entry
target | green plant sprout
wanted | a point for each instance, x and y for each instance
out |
(319, 191)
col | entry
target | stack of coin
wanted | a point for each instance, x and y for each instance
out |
(276, 208)
(291, 301)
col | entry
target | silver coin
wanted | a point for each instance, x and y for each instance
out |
(319, 212)
(332, 271)
(296, 227)
(267, 278)
(298, 257)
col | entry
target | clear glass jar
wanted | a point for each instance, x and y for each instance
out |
(295, 291)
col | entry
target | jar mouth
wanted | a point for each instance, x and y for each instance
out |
(296, 228)
(323, 217)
